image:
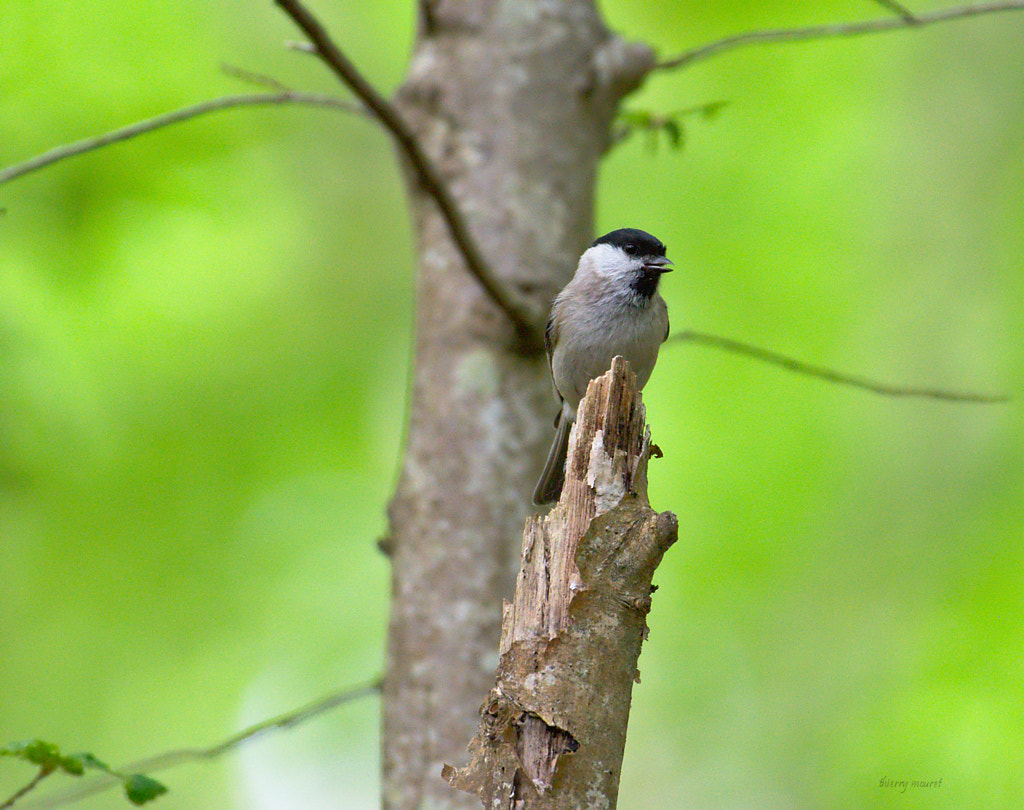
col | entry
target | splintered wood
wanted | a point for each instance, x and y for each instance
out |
(553, 728)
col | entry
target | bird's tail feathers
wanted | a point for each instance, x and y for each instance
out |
(549, 487)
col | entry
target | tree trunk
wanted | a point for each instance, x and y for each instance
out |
(514, 102)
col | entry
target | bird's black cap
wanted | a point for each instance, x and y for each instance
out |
(634, 241)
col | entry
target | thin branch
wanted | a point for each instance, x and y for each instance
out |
(823, 373)
(282, 721)
(832, 31)
(26, 789)
(172, 759)
(254, 78)
(429, 177)
(898, 8)
(166, 120)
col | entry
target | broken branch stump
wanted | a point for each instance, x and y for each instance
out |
(553, 728)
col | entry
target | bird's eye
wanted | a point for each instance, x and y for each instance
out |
(630, 249)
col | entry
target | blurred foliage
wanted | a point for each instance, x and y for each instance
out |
(139, 789)
(671, 125)
(202, 384)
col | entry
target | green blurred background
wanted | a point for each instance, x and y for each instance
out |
(195, 456)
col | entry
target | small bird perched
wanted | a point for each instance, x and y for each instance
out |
(611, 307)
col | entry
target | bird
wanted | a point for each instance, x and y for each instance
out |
(610, 307)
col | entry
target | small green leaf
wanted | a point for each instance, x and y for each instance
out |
(72, 765)
(675, 132)
(12, 749)
(709, 111)
(38, 752)
(89, 761)
(141, 789)
(639, 119)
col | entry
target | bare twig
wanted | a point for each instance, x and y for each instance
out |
(26, 789)
(823, 373)
(287, 720)
(899, 8)
(172, 759)
(166, 120)
(429, 177)
(830, 31)
(252, 77)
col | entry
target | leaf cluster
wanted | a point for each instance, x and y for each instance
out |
(670, 125)
(138, 788)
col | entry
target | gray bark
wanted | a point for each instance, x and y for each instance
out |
(514, 102)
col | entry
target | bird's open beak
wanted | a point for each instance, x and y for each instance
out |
(658, 264)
